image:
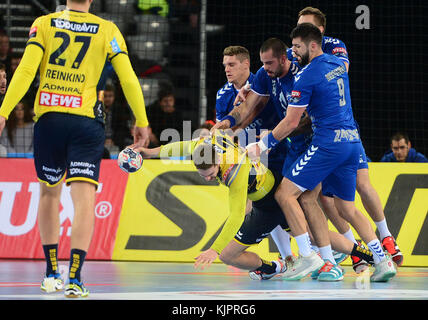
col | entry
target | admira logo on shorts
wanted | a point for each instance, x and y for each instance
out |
(75, 26)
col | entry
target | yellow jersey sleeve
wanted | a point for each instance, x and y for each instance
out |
(237, 204)
(76, 46)
(177, 149)
(131, 88)
(22, 79)
(115, 43)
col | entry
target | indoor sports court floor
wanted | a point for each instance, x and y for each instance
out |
(117, 280)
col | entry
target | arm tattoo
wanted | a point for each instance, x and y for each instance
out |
(236, 114)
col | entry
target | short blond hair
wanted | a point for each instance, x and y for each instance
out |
(320, 18)
(240, 52)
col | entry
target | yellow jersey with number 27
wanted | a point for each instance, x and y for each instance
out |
(76, 47)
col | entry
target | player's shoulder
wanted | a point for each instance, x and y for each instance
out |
(331, 41)
(225, 91)
(334, 46)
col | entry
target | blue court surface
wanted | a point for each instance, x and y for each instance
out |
(117, 280)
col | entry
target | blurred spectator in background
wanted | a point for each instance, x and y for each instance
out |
(118, 121)
(205, 128)
(186, 11)
(3, 82)
(3, 87)
(15, 59)
(159, 7)
(402, 151)
(18, 136)
(163, 114)
(5, 51)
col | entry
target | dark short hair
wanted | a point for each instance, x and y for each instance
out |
(278, 47)
(307, 32)
(205, 156)
(400, 135)
(165, 89)
(3, 67)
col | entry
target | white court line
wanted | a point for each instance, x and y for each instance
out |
(360, 294)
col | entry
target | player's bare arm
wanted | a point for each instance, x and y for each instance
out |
(246, 111)
(242, 94)
(304, 126)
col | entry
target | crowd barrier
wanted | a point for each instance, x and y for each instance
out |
(166, 212)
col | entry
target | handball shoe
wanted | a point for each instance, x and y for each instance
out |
(384, 270)
(259, 275)
(75, 289)
(52, 283)
(303, 266)
(389, 244)
(339, 257)
(330, 272)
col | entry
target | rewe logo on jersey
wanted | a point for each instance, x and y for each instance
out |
(49, 99)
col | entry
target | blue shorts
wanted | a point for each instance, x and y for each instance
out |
(292, 156)
(363, 163)
(334, 165)
(66, 143)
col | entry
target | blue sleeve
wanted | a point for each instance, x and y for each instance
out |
(420, 158)
(224, 103)
(302, 90)
(337, 48)
(387, 157)
(260, 83)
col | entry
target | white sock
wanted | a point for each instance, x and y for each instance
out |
(383, 229)
(315, 248)
(304, 244)
(350, 236)
(278, 266)
(282, 241)
(327, 254)
(377, 250)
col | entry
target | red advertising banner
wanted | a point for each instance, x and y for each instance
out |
(19, 197)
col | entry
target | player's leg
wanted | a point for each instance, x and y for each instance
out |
(327, 201)
(50, 164)
(282, 241)
(332, 214)
(373, 206)
(256, 226)
(308, 261)
(235, 254)
(383, 264)
(49, 224)
(83, 166)
(317, 222)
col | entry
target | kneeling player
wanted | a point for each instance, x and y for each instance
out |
(217, 157)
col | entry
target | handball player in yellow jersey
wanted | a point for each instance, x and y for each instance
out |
(70, 49)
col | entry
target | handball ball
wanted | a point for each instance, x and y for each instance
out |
(129, 160)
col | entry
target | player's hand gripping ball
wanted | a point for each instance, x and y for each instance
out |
(129, 160)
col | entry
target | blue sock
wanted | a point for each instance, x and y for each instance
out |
(51, 252)
(77, 257)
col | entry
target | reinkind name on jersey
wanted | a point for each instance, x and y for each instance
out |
(75, 26)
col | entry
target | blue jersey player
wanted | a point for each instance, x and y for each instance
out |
(322, 88)
(236, 62)
(368, 194)
(272, 83)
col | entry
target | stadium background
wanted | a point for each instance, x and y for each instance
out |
(185, 48)
(388, 61)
